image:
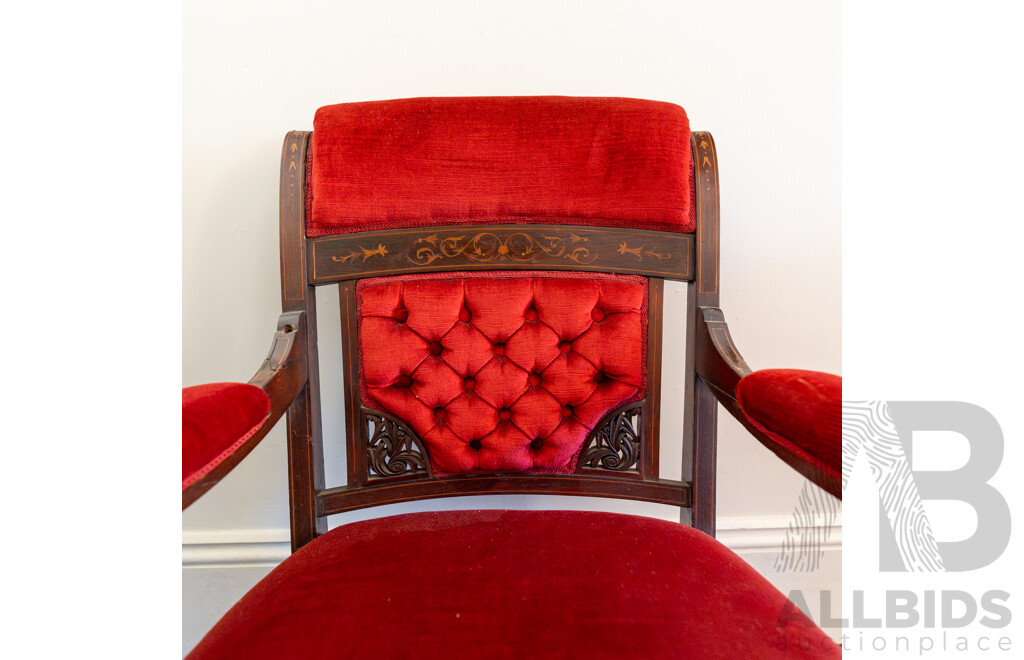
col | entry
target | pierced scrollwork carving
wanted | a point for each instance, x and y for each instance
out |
(615, 444)
(391, 449)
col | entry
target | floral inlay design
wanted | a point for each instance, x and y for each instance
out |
(487, 246)
(639, 252)
(365, 254)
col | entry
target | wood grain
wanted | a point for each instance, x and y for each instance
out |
(305, 439)
(501, 247)
(348, 498)
(703, 413)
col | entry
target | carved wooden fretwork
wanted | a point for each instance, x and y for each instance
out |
(392, 450)
(615, 443)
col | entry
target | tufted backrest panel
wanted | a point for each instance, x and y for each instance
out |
(501, 371)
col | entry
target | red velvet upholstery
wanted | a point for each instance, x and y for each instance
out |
(550, 159)
(514, 584)
(216, 420)
(802, 411)
(502, 372)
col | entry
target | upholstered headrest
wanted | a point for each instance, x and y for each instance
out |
(546, 159)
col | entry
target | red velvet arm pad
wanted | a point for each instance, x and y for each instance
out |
(222, 422)
(801, 413)
(216, 420)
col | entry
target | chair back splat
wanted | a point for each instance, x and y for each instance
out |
(501, 264)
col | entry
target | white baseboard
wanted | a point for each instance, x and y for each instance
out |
(767, 533)
(233, 547)
(263, 547)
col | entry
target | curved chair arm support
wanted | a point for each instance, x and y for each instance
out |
(719, 364)
(282, 376)
(721, 367)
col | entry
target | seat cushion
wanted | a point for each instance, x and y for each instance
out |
(514, 584)
(502, 372)
(802, 412)
(547, 159)
(217, 419)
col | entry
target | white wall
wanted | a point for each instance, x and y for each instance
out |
(764, 78)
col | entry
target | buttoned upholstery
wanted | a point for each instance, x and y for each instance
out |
(502, 372)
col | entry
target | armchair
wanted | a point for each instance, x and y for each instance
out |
(500, 264)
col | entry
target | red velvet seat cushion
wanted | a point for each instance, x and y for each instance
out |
(502, 372)
(799, 410)
(548, 159)
(217, 419)
(514, 584)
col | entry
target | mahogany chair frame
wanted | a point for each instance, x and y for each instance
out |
(386, 461)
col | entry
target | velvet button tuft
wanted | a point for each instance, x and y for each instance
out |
(456, 375)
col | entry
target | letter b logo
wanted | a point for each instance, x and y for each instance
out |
(883, 431)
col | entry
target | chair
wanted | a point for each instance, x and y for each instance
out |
(500, 263)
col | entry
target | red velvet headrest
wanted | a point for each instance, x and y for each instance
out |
(547, 159)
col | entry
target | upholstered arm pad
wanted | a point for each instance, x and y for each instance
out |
(796, 414)
(222, 422)
(216, 420)
(801, 413)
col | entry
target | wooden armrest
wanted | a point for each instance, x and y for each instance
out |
(282, 376)
(719, 364)
(721, 367)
